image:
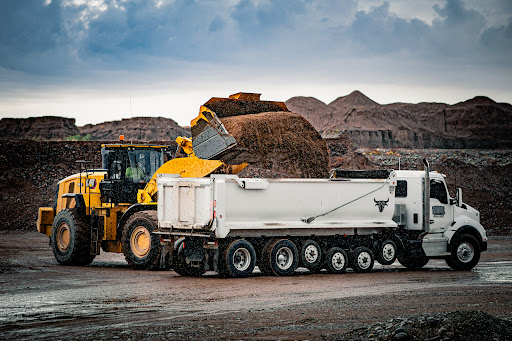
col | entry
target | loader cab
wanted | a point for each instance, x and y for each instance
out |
(129, 168)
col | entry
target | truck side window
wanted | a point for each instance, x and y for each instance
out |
(438, 191)
(401, 189)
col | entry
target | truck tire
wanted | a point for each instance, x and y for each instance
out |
(363, 259)
(280, 257)
(311, 255)
(71, 239)
(465, 253)
(238, 259)
(141, 248)
(336, 260)
(386, 253)
(185, 269)
(412, 261)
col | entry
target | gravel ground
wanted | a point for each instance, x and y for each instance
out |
(108, 300)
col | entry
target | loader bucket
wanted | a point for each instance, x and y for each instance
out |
(210, 138)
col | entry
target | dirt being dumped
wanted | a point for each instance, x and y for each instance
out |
(278, 145)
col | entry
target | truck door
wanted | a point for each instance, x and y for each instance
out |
(441, 212)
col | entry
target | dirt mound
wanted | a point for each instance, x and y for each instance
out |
(457, 325)
(38, 128)
(278, 144)
(137, 129)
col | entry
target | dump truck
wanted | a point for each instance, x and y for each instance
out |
(230, 225)
(194, 214)
(113, 208)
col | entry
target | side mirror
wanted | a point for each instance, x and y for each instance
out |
(458, 197)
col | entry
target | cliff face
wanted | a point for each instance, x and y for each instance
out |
(476, 123)
(42, 128)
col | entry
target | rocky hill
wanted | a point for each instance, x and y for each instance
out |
(136, 129)
(477, 123)
(38, 128)
(51, 128)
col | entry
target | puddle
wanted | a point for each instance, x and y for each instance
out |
(496, 272)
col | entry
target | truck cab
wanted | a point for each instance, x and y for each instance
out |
(435, 224)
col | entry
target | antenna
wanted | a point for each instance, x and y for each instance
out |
(131, 114)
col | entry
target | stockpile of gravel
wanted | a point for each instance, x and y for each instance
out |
(452, 326)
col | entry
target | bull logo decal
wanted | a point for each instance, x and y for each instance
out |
(381, 204)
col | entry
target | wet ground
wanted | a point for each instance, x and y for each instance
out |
(107, 300)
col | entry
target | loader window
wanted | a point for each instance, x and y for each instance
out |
(401, 189)
(438, 191)
(115, 166)
(142, 164)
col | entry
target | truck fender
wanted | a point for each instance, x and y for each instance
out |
(465, 225)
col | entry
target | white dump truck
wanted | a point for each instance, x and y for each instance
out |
(231, 225)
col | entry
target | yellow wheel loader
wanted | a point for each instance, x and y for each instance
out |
(114, 208)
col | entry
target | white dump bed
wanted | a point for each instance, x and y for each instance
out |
(230, 206)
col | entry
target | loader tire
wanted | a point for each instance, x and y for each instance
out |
(142, 248)
(71, 238)
(465, 253)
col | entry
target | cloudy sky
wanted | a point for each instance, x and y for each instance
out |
(103, 60)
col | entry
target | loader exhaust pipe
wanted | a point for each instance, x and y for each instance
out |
(426, 197)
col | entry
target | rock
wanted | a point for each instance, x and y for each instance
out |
(401, 337)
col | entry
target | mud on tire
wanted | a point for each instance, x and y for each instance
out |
(71, 238)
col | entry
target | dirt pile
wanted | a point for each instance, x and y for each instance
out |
(29, 172)
(476, 123)
(39, 128)
(457, 325)
(278, 144)
(137, 129)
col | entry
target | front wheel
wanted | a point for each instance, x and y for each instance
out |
(71, 238)
(141, 248)
(465, 253)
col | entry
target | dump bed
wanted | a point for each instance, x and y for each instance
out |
(225, 206)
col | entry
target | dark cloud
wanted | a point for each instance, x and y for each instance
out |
(28, 30)
(35, 37)
(380, 31)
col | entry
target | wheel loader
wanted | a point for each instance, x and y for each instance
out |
(114, 208)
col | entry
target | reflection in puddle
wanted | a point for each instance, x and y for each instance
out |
(497, 272)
